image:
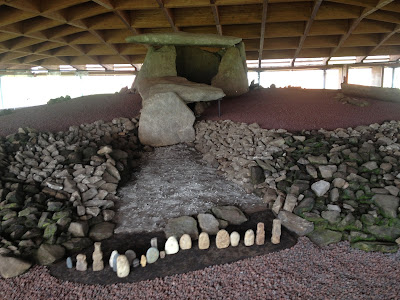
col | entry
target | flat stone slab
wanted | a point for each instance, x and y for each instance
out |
(188, 91)
(173, 181)
(184, 39)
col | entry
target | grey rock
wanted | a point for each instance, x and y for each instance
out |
(320, 160)
(339, 182)
(130, 255)
(89, 194)
(48, 254)
(325, 237)
(320, 187)
(334, 195)
(305, 205)
(232, 214)
(256, 175)
(166, 120)
(152, 255)
(181, 225)
(384, 232)
(376, 246)
(69, 262)
(312, 171)
(327, 171)
(78, 229)
(77, 244)
(295, 224)
(208, 223)
(232, 75)
(333, 217)
(388, 204)
(101, 231)
(12, 266)
(371, 165)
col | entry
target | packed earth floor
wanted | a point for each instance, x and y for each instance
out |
(305, 271)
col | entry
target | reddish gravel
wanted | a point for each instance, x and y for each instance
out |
(295, 110)
(302, 272)
(58, 117)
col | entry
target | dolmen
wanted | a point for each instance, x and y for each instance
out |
(182, 68)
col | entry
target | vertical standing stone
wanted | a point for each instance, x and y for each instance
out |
(143, 261)
(276, 207)
(153, 243)
(97, 256)
(162, 254)
(69, 263)
(222, 240)
(171, 246)
(115, 252)
(260, 237)
(249, 238)
(235, 238)
(276, 231)
(204, 241)
(123, 267)
(115, 262)
(81, 264)
(185, 242)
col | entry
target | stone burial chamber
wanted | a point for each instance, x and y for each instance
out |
(182, 68)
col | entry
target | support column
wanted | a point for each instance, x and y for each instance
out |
(377, 76)
(259, 77)
(393, 70)
(1, 95)
(324, 87)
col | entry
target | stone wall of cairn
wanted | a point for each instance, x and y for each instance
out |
(58, 190)
(330, 185)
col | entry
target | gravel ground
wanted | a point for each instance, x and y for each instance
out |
(301, 272)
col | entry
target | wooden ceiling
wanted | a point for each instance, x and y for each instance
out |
(50, 33)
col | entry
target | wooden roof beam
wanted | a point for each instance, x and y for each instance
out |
(385, 37)
(263, 21)
(317, 4)
(168, 14)
(215, 11)
(394, 57)
(366, 12)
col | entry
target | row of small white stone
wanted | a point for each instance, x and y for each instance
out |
(121, 263)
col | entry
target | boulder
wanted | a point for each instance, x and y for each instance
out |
(157, 63)
(232, 76)
(208, 223)
(295, 224)
(388, 204)
(78, 229)
(181, 225)
(101, 231)
(376, 246)
(48, 254)
(184, 38)
(12, 266)
(324, 237)
(232, 214)
(166, 120)
(188, 91)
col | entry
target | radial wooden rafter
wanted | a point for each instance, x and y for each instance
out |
(80, 32)
(317, 4)
(366, 12)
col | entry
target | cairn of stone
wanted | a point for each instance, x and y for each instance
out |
(249, 238)
(260, 235)
(81, 264)
(276, 231)
(123, 266)
(97, 256)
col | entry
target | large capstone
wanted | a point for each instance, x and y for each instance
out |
(184, 39)
(166, 120)
(188, 91)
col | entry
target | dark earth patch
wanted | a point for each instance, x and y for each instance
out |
(182, 262)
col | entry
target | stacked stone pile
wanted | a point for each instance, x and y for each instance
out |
(329, 185)
(58, 190)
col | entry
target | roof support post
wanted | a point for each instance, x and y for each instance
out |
(262, 35)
